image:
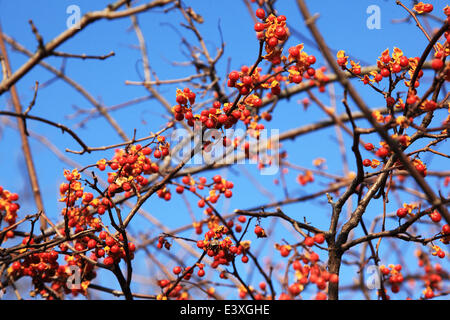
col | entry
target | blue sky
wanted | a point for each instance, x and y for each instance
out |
(343, 25)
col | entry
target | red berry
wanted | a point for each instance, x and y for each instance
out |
(260, 13)
(157, 154)
(429, 293)
(164, 283)
(233, 76)
(146, 151)
(110, 241)
(311, 59)
(309, 241)
(200, 244)
(280, 33)
(321, 296)
(395, 288)
(446, 229)
(272, 42)
(179, 189)
(259, 231)
(386, 58)
(259, 27)
(181, 100)
(294, 289)
(201, 203)
(435, 216)
(396, 68)
(222, 118)
(367, 162)
(411, 99)
(294, 51)
(334, 278)
(297, 78)
(185, 179)
(284, 251)
(319, 238)
(382, 152)
(179, 116)
(311, 72)
(402, 212)
(92, 244)
(385, 72)
(16, 265)
(341, 61)
(427, 7)
(176, 270)
(404, 61)
(378, 77)
(437, 64)
(102, 235)
(42, 266)
(108, 261)
(257, 102)
(247, 80)
(242, 219)
(262, 286)
(314, 257)
(115, 249)
(390, 101)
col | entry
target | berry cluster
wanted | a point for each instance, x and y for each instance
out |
(274, 32)
(219, 186)
(220, 246)
(237, 225)
(221, 115)
(131, 163)
(433, 275)
(114, 249)
(384, 151)
(175, 292)
(310, 273)
(183, 110)
(8, 210)
(305, 178)
(44, 269)
(302, 67)
(446, 232)
(83, 215)
(395, 277)
(423, 7)
(247, 80)
(43, 266)
(393, 66)
(188, 271)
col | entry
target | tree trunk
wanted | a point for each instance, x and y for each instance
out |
(334, 264)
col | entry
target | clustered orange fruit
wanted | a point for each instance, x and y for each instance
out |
(8, 210)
